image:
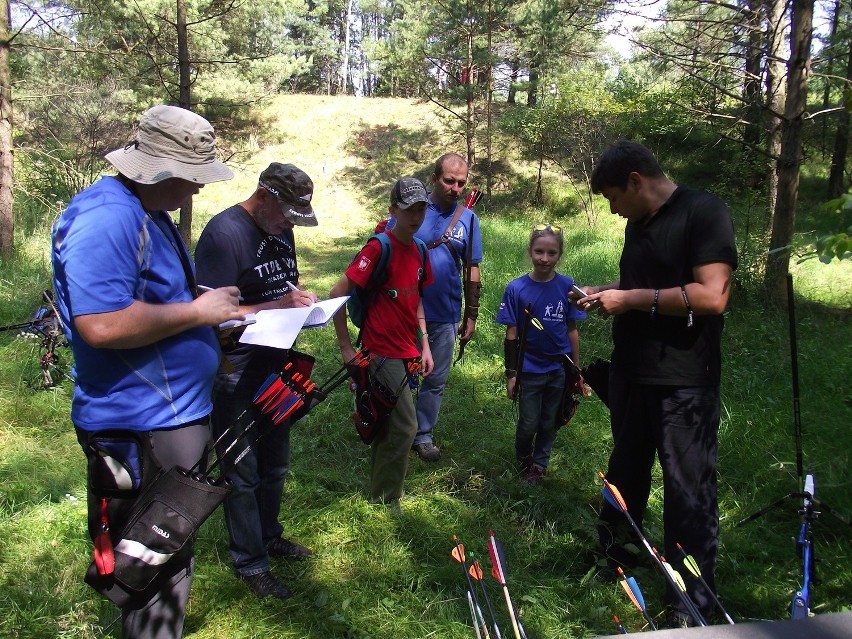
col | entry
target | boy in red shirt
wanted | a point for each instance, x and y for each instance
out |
(394, 332)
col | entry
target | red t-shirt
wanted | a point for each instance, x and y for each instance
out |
(390, 329)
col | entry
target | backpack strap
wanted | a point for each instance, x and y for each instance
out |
(377, 277)
(424, 255)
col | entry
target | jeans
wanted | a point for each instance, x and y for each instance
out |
(442, 342)
(541, 396)
(252, 507)
(680, 425)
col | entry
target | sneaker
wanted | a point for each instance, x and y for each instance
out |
(427, 451)
(281, 547)
(264, 584)
(535, 474)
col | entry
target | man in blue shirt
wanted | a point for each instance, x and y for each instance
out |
(144, 345)
(455, 255)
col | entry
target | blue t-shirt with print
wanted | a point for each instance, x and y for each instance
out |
(550, 304)
(108, 252)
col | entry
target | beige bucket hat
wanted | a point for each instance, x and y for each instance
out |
(171, 142)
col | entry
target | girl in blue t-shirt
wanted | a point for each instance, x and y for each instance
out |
(540, 331)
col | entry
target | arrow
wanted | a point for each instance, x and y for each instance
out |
(473, 198)
(681, 588)
(635, 595)
(473, 615)
(613, 497)
(498, 570)
(537, 324)
(621, 629)
(475, 571)
(478, 618)
(692, 566)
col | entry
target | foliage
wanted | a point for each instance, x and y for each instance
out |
(568, 131)
(836, 245)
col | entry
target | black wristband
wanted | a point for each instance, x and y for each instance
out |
(690, 316)
(654, 304)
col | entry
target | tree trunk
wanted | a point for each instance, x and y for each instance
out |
(829, 63)
(344, 71)
(532, 91)
(753, 132)
(513, 79)
(7, 218)
(836, 183)
(783, 223)
(470, 124)
(185, 224)
(489, 106)
(775, 98)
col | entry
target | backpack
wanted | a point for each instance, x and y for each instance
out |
(361, 297)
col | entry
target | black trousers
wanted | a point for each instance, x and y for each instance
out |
(680, 425)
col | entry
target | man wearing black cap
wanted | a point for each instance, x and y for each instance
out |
(251, 245)
(394, 332)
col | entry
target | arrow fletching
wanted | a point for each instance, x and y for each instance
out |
(674, 574)
(458, 553)
(636, 592)
(692, 566)
(475, 570)
(612, 495)
(498, 562)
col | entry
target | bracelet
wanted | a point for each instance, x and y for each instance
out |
(654, 305)
(689, 313)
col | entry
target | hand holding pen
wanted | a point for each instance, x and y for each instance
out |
(297, 298)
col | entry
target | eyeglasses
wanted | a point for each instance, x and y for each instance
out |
(548, 227)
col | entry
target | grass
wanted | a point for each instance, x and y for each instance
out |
(379, 575)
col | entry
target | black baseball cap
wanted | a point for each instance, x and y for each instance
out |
(294, 189)
(406, 192)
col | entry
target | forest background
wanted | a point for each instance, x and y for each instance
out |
(748, 99)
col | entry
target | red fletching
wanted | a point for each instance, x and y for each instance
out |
(472, 198)
(495, 551)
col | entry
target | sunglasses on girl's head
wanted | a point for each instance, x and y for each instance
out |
(548, 227)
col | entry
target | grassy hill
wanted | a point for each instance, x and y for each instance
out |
(376, 574)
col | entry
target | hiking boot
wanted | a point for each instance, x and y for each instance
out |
(618, 549)
(535, 474)
(676, 619)
(281, 547)
(264, 584)
(427, 451)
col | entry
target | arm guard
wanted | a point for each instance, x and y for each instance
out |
(471, 299)
(510, 357)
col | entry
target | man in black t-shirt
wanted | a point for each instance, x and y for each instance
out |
(674, 284)
(251, 245)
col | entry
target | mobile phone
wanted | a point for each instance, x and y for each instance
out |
(576, 289)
